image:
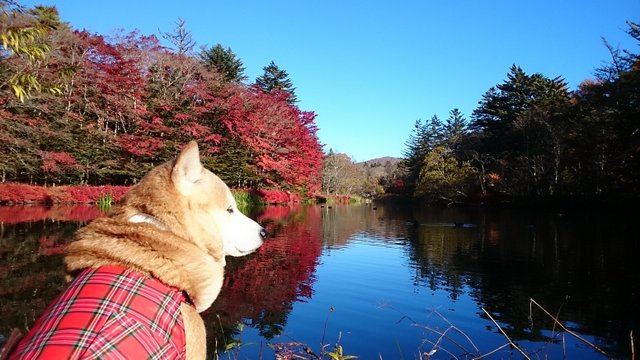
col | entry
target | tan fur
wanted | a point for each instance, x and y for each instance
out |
(195, 333)
(185, 243)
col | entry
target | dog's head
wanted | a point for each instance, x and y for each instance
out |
(211, 211)
(194, 203)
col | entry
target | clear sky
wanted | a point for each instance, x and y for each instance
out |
(369, 69)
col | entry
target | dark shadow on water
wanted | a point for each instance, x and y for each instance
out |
(579, 264)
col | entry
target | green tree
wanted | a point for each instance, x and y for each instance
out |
(444, 178)
(225, 62)
(48, 16)
(455, 130)
(424, 137)
(522, 124)
(501, 105)
(275, 78)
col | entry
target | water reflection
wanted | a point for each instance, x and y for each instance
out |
(260, 289)
(580, 265)
(31, 259)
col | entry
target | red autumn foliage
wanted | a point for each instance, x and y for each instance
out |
(263, 288)
(86, 193)
(282, 138)
(56, 161)
(128, 104)
(21, 214)
(50, 245)
(15, 193)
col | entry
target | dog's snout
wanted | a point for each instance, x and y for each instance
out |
(263, 232)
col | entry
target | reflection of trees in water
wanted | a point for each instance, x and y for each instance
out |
(31, 270)
(504, 259)
(32, 240)
(582, 266)
(260, 289)
(341, 222)
(440, 251)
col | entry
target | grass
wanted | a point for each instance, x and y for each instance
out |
(448, 340)
(105, 202)
(443, 341)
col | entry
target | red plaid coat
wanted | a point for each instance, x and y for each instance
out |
(109, 313)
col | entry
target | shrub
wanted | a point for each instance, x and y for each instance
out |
(15, 193)
(248, 202)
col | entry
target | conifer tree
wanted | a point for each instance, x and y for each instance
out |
(225, 62)
(455, 129)
(424, 136)
(276, 78)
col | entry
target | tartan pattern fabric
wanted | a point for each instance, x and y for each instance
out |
(109, 313)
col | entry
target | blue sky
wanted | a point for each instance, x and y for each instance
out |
(369, 69)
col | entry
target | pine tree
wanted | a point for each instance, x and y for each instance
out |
(455, 129)
(276, 78)
(503, 104)
(225, 62)
(424, 137)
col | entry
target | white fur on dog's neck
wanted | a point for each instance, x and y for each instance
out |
(146, 218)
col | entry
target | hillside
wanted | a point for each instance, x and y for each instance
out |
(380, 167)
(381, 161)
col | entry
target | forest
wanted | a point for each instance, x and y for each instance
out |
(531, 138)
(81, 108)
(85, 109)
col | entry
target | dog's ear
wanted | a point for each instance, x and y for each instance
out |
(187, 169)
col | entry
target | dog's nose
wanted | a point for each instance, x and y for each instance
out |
(263, 233)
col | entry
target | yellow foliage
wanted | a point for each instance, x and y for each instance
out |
(26, 42)
(443, 176)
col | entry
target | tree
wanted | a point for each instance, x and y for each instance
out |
(23, 37)
(444, 178)
(605, 142)
(180, 38)
(275, 78)
(512, 130)
(341, 176)
(501, 105)
(225, 62)
(455, 130)
(48, 16)
(424, 137)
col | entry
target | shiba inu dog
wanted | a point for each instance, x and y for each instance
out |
(140, 276)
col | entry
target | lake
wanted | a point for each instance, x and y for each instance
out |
(387, 281)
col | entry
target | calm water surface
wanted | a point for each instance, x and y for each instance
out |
(386, 281)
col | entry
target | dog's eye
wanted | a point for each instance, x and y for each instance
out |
(230, 210)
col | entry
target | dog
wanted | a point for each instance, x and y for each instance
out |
(140, 277)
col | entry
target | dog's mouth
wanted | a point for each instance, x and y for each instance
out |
(242, 251)
(245, 252)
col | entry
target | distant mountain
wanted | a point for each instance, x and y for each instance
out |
(381, 161)
(377, 168)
